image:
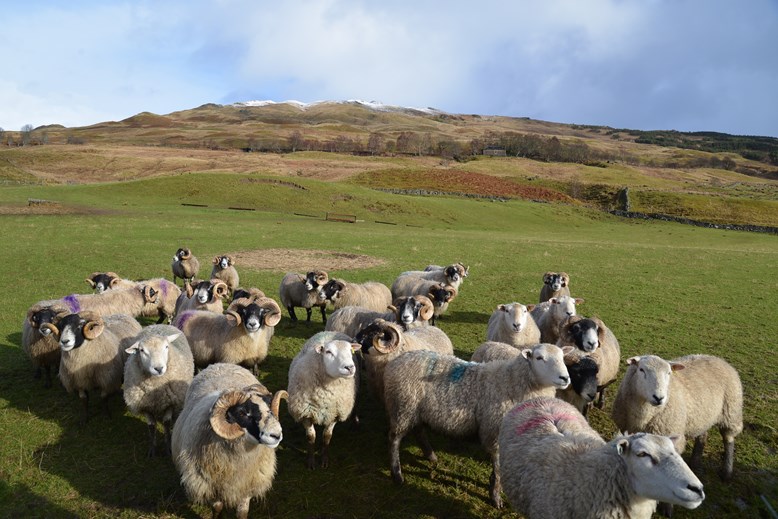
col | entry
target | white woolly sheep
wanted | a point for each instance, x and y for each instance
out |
(596, 339)
(156, 377)
(683, 397)
(185, 265)
(555, 465)
(512, 324)
(224, 269)
(102, 281)
(406, 311)
(298, 290)
(580, 366)
(204, 295)
(549, 316)
(224, 441)
(323, 385)
(128, 301)
(555, 284)
(371, 294)
(38, 342)
(93, 353)
(382, 341)
(241, 335)
(459, 398)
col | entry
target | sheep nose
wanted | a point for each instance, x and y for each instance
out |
(591, 396)
(517, 327)
(350, 369)
(564, 379)
(658, 399)
(696, 489)
(159, 370)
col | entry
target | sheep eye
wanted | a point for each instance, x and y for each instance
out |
(539, 358)
(641, 370)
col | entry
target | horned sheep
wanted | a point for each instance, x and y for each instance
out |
(549, 316)
(440, 295)
(298, 290)
(185, 265)
(512, 324)
(460, 398)
(93, 352)
(406, 311)
(224, 270)
(162, 306)
(224, 441)
(371, 294)
(323, 385)
(37, 340)
(241, 335)
(156, 377)
(102, 281)
(555, 284)
(555, 465)
(683, 397)
(593, 337)
(203, 295)
(450, 275)
(383, 341)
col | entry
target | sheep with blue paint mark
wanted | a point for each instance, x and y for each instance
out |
(460, 398)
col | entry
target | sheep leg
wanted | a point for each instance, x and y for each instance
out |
(495, 485)
(152, 438)
(394, 455)
(424, 443)
(106, 407)
(308, 312)
(38, 373)
(310, 434)
(323, 314)
(729, 459)
(242, 511)
(84, 396)
(47, 380)
(325, 445)
(168, 425)
(216, 509)
(699, 445)
(601, 400)
(292, 315)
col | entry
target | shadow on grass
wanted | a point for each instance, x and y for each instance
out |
(20, 501)
(454, 316)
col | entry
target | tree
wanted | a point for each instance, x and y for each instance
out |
(296, 141)
(375, 143)
(26, 134)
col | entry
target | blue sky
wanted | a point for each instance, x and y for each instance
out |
(652, 64)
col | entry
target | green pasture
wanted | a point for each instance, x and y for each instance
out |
(662, 288)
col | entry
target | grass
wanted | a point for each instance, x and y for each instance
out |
(663, 288)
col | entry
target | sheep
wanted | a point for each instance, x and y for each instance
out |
(241, 335)
(93, 353)
(203, 295)
(440, 295)
(156, 377)
(512, 324)
(592, 336)
(555, 284)
(224, 441)
(580, 366)
(451, 275)
(555, 465)
(38, 342)
(371, 294)
(409, 283)
(406, 311)
(297, 290)
(383, 341)
(323, 385)
(102, 281)
(224, 269)
(549, 316)
(185, 265)
(683, 397)
(459, 398)
(130, 301)
(254, 293)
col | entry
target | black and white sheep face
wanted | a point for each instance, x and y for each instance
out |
(203, 292)
(256, 420)
(658, 472)
(314, 280)
(71, 332)
(555, 281)
(547, 363)
(409, 310)
(153, 354)
(651, 378)
(252, 317)
(585, 333)
(223, 262)
(338, 358)
(330, 291)
(44, 316)
(452, 274)
(583, 377)
(102, 282)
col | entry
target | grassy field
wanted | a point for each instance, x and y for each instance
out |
(662, 288)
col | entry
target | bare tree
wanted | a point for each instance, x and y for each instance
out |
(375, 143)
(26, 134)
(296, 141)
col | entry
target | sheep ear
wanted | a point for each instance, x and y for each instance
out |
(632, 360)
(554, 301)
(622, 446)
(527, 353)
(502, 308)
(172, 337)
(567, 349)
(132, 350)
(676, 366)
(319, 348)
(355, 347)
(530, 308)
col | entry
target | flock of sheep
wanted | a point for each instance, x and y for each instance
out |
(524, 393)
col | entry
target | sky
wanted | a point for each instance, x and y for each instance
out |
(687, 65)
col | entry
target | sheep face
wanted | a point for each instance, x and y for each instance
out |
(245, 414)
(207, 291)
(338, 358)
(380, 337)
(37, 318)
(153, 353)
(331, 290)
(658, 472)
(75, 329)
(585, 333)
(583, 377)
(556, 281)
(102, 281)
(411, 309)
(516, 315)
(442, 294)
(650, 377)
(564, 306)
(315, 279)
(182, 254)
(548, 364)
(253, 315)
(222, 261)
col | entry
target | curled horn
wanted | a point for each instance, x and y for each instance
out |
(387, 340)
(91, 279)
(232, 314)
(220, 288)
(230, 260)
(216, 260)
(565, 278)
(276, 402)
(547, 277)
(427, 308)
(94, 325)
(255, 293)
(219, 423)
(273, 317)
(452, 291)
(186, 254)
(321, 274)
(188, 289)
(600, 329)
(148, 293)
(50, 327)
(462, 269)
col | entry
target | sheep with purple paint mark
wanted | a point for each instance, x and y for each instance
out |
(555, 465)
(459, 398)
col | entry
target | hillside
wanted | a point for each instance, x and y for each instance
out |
(708, 176)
